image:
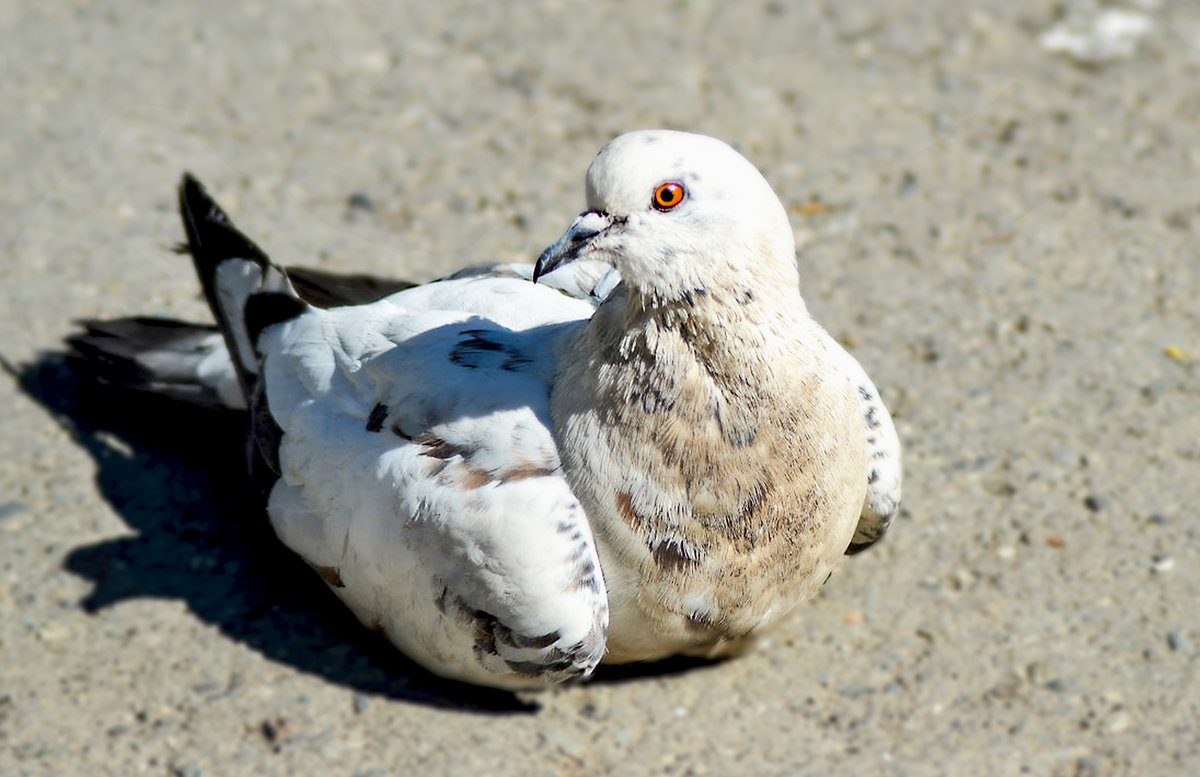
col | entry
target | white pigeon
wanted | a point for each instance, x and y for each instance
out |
(650, 449)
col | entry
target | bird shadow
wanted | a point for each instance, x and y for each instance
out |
(176, 475)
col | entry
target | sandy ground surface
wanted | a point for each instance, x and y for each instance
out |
(1007, 238)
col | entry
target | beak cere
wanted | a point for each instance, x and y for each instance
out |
(573, 243)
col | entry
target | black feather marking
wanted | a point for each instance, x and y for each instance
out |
(154, 355)
(486, 626)
(534, 669)
(492, 635)
(211, 236)
(872, 417)
(438, 448)
(872, 537)
(466, 353)
(585, 580)
(262, 444)
(585, 571)
(515, 361)
(213, 239)
(140, 349)
(377, 417)
(475, 343)
(327, 290)
(263, 310)
(475, 340)
(537, 641)
(148, 332)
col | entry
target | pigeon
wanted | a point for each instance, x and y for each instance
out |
(640, 446)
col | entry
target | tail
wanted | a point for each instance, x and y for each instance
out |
(200, 364)
(214, 366)
(246, 292)
(186, 362)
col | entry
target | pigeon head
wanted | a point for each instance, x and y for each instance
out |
(678, 215)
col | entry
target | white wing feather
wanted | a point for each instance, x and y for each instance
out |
(420, 476)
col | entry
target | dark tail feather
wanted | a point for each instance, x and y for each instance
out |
(154, 356)
(329, 290)
(211, 236)
(245, 290)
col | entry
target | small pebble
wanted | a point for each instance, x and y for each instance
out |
(1088, 766)
(1178, 643)
(9, 509)
(1120, 721)
(1096, 502)
(186, 769)
(594, 711)
(1152, 391)
(361, 703)
(568, 744)
(1066, 457)
(360, 201)
(275, 731)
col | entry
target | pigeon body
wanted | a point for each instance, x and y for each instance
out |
(652, 449)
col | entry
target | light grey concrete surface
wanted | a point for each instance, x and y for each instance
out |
(1009, 241)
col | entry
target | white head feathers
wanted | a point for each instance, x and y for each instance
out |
(680, 214)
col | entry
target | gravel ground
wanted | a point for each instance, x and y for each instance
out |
(1005, 235)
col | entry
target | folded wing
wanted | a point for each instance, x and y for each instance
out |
(420, 478)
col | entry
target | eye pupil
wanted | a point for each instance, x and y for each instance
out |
(667, 195)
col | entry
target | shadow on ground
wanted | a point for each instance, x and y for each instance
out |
(175, 474)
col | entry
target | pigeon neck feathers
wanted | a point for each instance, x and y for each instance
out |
(710, 275)
(706, 354)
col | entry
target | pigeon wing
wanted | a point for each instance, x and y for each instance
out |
(883, 459)
(420, 477)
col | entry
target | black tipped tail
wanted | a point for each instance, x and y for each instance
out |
(158, 356)
(246, 292)
(211, 236)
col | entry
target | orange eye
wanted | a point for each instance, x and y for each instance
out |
(667, 195)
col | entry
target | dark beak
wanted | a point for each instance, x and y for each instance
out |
(573, 243)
